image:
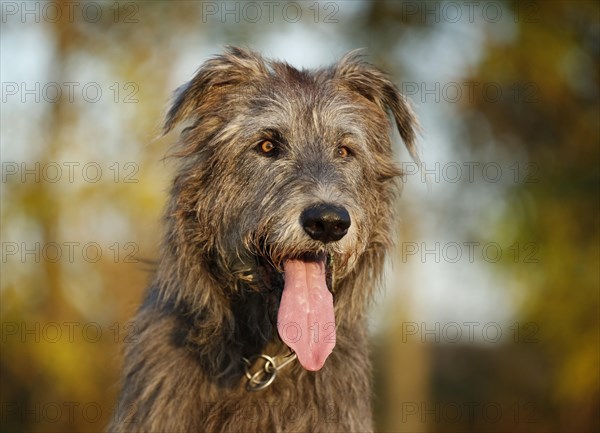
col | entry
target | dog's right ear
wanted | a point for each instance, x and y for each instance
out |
(212, 83)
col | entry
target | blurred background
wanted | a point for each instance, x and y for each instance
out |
(488, 321)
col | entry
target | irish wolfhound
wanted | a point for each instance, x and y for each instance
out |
(278, 221)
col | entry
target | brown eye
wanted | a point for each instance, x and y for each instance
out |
(267, 146)
(343, 152)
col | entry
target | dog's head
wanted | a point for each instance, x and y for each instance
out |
(287, 179)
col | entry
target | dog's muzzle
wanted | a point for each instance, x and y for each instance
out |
(306, 319)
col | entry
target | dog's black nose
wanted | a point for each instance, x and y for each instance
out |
(325, 222)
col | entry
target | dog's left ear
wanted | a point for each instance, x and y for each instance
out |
(372, 83)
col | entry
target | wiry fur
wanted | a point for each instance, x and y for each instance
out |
(231, 221)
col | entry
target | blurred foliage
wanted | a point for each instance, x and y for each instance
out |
(56, 383)
(554, 118)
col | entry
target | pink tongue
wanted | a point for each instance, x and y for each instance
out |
(306, 322)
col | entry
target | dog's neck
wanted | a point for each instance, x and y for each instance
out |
(219, 341)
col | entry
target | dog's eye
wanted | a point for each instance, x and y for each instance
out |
(343, 152)
(267, 148)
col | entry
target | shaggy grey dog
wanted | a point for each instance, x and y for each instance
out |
(276, 229)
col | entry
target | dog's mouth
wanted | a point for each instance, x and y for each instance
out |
(305, 319)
